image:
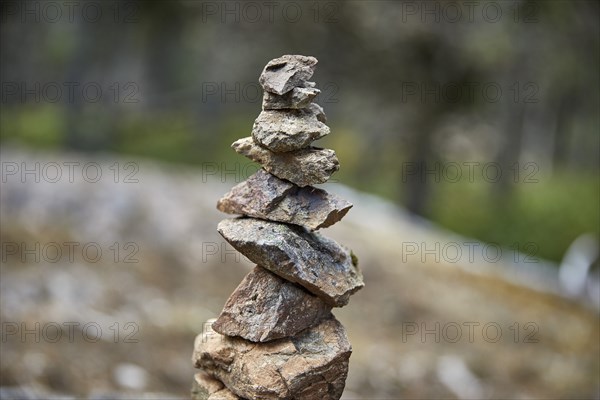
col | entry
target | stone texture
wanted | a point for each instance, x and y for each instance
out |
(205, 387)
(310, 366)
(283, 74)
(319, 264)
(318, 111)
(304, 167)
(288, 130)
(266, 307)
(296, 98)
(265, 196)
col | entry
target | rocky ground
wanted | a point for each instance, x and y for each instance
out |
(123, 323)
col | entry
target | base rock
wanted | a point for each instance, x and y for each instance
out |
(310, 366)
(206, 387)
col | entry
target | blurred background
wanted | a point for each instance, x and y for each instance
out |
(467, 134)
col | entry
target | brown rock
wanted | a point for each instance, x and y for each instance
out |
(265, 196)
(288, 130)
(266, 307)
(309, 166)
(310, 366)
(206, 387)
(319, 264)
(283, 74)
(294, 99)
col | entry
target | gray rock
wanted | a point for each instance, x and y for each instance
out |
(265, 196)
(310, 366)
(320, 265)
(304, 167)
(283, 74)
(206, 387)
(294, 99)
(318, 111)
(265, 307)
(288, 130)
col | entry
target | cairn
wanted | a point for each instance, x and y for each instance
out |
(276, 337)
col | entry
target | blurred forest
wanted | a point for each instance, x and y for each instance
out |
(482, 117)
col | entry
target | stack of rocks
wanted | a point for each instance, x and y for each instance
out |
(276, 337)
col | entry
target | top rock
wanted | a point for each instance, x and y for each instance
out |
(287, 72)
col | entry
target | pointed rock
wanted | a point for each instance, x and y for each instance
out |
(320, 265)
(208, 388)
(265, 196)
(288, 130)
(283, 74)
(304, 167)
(311, 366)
(294, 99)
(265, 307)
(318, 111)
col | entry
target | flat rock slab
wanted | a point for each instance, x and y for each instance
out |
(265, 307)
(298, 97)
(309, 166)
(265, 196)
(310, 366)
(206, 387)
(282, 74)
(288, 130)
(320, 265)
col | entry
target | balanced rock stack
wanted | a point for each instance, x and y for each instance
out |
(276, 337)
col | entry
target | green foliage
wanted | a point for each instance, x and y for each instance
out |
(162, 136)
(40, 126)
(550, 214)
